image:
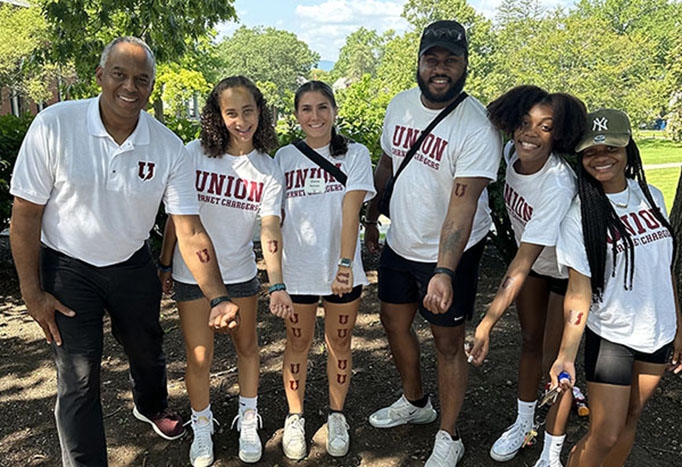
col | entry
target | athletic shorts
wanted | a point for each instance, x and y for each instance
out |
(609, 363)
(187, 292)
(404, 281)
(556, 285)
(345, 298)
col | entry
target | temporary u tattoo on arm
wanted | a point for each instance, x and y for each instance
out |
(343, 277)
(273, 246)
(460, 189)
(507, 282)
(203, 255)
(575, 317)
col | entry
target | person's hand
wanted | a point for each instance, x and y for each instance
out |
(675, 364)
(224, 317)
(166, 282)
(343, 281)
(438, 296)
(562, 365)
(372, 238)
(281, 304)
(481, 346)
(41, 307)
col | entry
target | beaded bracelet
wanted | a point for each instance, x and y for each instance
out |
(165, 267)
(446, 271)
(276, 287)
(218, 300)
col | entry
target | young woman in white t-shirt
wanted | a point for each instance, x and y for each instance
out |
(618, 247)
(237, 182)
(321, 259)
(539, 188)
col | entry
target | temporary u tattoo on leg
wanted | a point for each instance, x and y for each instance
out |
(342, 364)
(203, 255)
(460, 189)
(294, 318)
(342, 332)
(296, 332)
(343, 319)
(575, 317)
(293, 384)
(341, 379)
(295, 368)
(343, 277)
(273, 246)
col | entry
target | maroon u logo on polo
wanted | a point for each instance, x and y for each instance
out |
(145, 170)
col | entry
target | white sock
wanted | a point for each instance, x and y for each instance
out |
(202, 417)
(525, 413)
(246, 403)
(555, 444)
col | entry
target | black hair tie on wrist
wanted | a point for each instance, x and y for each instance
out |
(218, 300)
(446, 271)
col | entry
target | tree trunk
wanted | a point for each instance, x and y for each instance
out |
(676, 222)
(158, 110)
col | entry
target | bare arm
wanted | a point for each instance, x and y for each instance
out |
(197, 251)
(382, 173)
(509, 288)
(576, 308)
(350, 225)
(271, 242)
(25, 241)
(676, 364)
(166, 255)
(454, 235)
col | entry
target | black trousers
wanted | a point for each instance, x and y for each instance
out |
(131, 293)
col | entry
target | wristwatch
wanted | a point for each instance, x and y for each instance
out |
(346, 262)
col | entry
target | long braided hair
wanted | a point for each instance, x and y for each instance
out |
(599, 219)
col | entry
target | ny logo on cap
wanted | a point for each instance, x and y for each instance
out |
(599, 124)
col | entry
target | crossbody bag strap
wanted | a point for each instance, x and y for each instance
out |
(321, 161)
(443, 113)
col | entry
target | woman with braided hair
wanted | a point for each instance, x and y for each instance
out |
(618, 247)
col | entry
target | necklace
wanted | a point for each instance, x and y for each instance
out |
(627, 200)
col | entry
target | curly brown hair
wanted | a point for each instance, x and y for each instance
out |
(215, 139)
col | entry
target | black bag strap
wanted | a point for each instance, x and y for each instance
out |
(443, 113)
(321, 161)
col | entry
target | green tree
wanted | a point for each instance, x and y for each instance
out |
(361, 54)
(176, 86)
(79, 29)
(268, 54)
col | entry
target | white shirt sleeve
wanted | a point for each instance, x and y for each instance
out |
(359, 168)
(570, 247)
(33, 175)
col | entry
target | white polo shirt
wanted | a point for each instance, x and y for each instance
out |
(100, 199)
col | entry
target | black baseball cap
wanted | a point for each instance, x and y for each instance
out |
(447, 34)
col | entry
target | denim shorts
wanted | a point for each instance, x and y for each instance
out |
(187, 292)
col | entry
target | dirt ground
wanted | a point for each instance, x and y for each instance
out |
(28, 435)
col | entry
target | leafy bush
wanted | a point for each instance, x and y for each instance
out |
(12, 132)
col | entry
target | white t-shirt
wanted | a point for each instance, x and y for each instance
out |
(537, 203)
(312, 222)
(233, 191)
(643, 318)
(100, 199)
(464, 144)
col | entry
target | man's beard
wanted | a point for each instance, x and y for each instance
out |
(448, 95)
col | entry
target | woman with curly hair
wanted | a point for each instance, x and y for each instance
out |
(618, 247)
(539, 188)
(321, 260)
(236, 182)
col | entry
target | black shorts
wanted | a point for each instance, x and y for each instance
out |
(556, 285)
(609, 363)
(345, 298)
(404, 281)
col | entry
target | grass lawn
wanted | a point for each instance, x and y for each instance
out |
(657, 150)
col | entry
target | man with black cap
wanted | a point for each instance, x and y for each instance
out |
(439, 221)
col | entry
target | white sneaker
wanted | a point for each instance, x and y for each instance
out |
(338, 440)
(402, 412)
(248, 422)
(201, 451)
(510, 442)
(293, 439)
(446, 451)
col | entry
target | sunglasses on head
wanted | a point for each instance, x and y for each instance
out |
(451, 34)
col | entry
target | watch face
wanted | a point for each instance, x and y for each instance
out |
(346, 262)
